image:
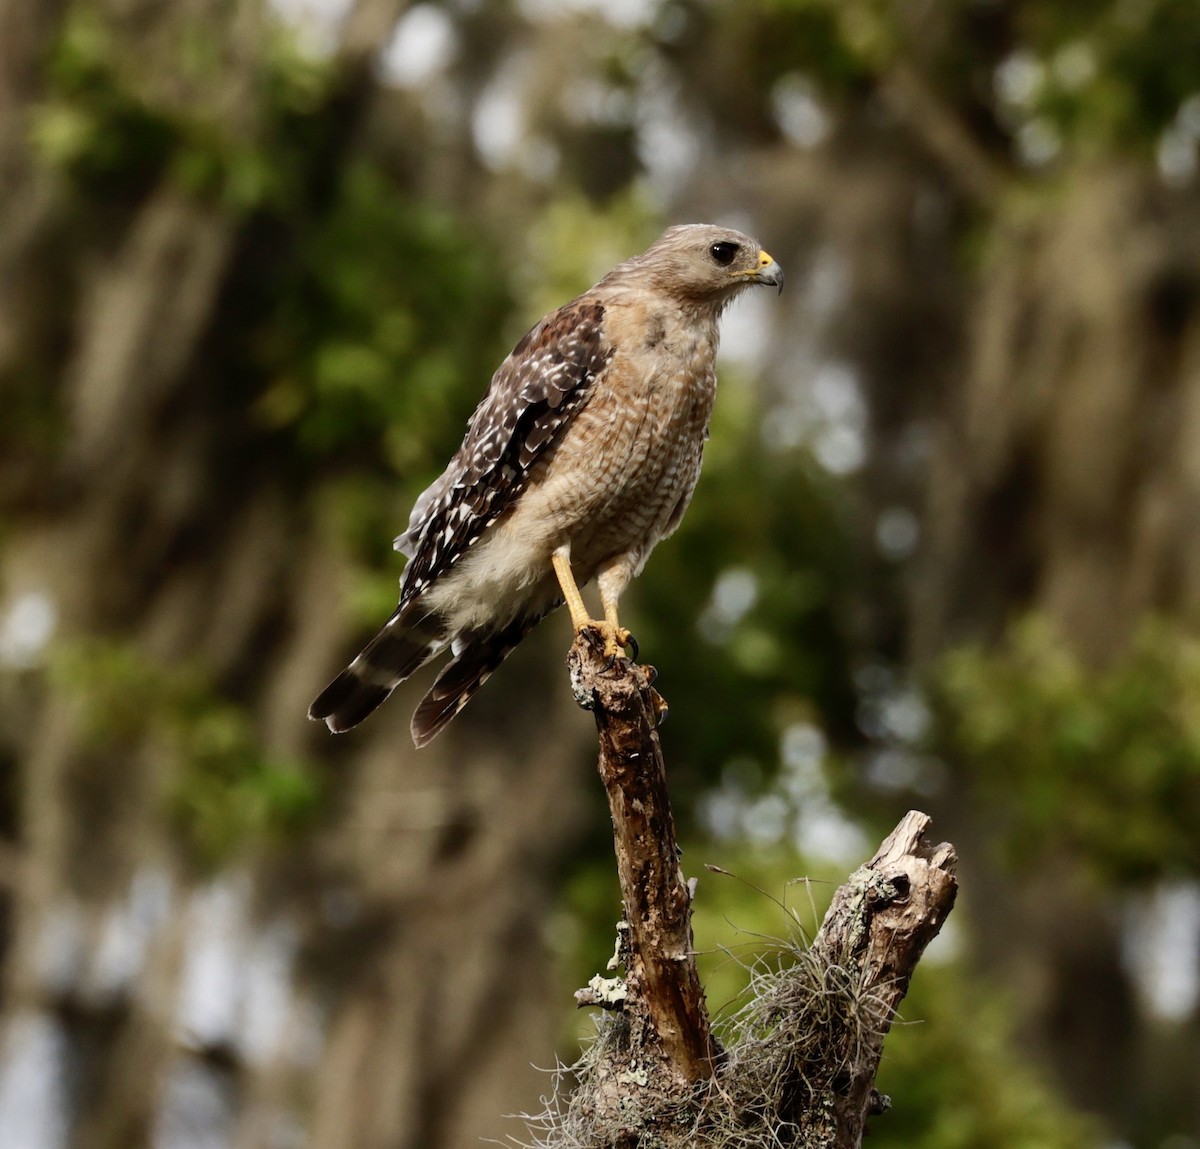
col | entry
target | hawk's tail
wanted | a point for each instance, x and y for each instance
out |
(401, 647)
(465, 673)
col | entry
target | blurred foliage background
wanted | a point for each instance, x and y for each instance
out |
(257, 261)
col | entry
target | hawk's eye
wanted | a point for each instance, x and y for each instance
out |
(723, 253)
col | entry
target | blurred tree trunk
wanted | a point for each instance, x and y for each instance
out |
(1063, 479)
(143, 503)
(1065, 473)
(1038, 411)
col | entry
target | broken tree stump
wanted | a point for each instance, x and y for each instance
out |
(799, 1062)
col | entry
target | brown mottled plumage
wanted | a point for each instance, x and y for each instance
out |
(582, 455)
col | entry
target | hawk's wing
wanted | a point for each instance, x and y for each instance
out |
(532, 397)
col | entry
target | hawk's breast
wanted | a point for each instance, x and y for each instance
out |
(611, 485)
(635, 449)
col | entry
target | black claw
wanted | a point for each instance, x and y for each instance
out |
(636, 649)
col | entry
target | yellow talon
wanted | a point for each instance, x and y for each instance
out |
(615, 638)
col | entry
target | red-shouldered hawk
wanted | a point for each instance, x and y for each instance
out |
(582, 455)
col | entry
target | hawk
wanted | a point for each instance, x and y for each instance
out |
(582, 455)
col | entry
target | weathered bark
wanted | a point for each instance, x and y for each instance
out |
(801, 1064)
(660, 963)
(877, 928)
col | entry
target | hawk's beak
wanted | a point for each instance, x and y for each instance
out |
(768, 272)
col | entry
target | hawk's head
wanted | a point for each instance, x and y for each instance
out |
(704, 263)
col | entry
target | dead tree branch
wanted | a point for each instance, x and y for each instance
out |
(665, 1000)
(800, 1061)
(878, 926)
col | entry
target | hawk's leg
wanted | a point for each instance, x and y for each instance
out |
(566, 579)
(613, 580)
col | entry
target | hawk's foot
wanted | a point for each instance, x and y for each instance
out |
(615, 639)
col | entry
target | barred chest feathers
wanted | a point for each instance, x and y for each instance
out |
(617, 482)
